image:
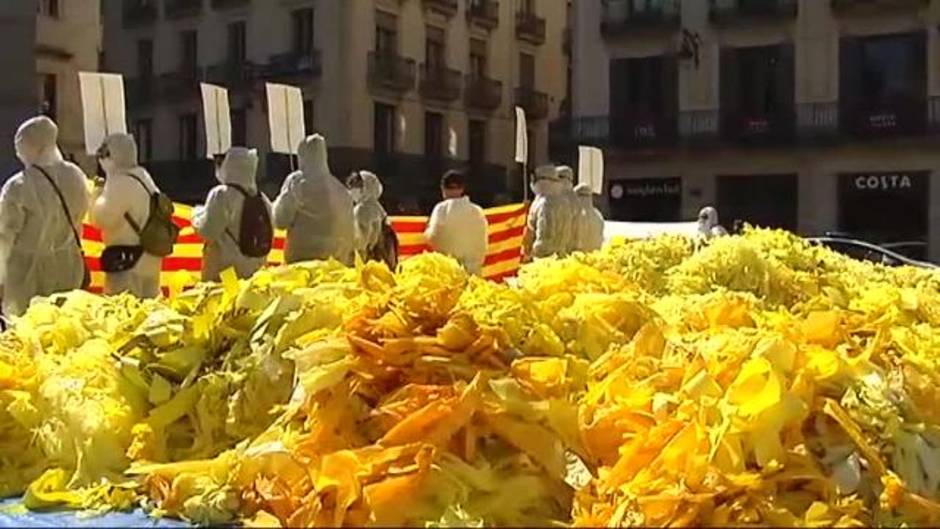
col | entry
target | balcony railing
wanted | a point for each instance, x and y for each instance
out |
(903, 116)
(183, 8)
(619, 16)
(294, 66)
(139, 13)
(234, 76)
(534, 103)
(699, 125)
(530, 27)
(483, 93)
(876, 6)
(758, 128)
(725, 11)
(447, 8)
(817, 121)
(390, 72)
(643, 130)
(439, 83)
(484, 12)
(229, 4)
(177, 86)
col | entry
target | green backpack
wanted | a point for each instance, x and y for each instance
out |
(159, 233)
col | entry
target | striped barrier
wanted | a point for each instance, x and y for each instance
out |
(182, 269)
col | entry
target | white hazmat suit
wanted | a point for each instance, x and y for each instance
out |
(123, 194)
(458, 228)
(38, 252)
(315, 209)
(548, 230)
(369, 213)
(219, 221)
(572, 205)
(589, 231)
(708, 224)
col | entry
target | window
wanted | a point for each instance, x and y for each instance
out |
(477, 147)
(239, 127)
(189, 54)
(762, 87)
(384, 131)
(434, 48)
(386, 33)
(48, 95)
(309, 121)
(478, 58)
(434, 136)
(237, 42)
(143, 133)
(145, 58)
(49, 8)
(527, 6)
(889, 67)
(188, 137)
(302, 22)
(526, 70)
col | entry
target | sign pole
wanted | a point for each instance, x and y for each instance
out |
(290, 144)
(104, 108)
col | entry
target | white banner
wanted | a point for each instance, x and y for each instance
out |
(591, 168)
(218, 119)
(285, 117)
(102, 106)
(522, 137)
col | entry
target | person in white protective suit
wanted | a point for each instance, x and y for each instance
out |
(39, 253)
(315, 209)
(219, 222)
(548, 229)
(457, 226)
(572, 204)
(589, 227)
(125, 195)
(708, 225)
(375, 241)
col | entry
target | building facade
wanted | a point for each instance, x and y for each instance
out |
(406, 88)
(17, 96)
(812, 115)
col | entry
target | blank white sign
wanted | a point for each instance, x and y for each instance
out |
(103, 107)
(522, 137)
(591, 168)
(218, 118)
(285, 117)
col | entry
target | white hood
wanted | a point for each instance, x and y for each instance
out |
(313, 157)
(240, 168)
(35, 142)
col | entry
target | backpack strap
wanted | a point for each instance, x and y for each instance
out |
(65, 206)
(127, 216)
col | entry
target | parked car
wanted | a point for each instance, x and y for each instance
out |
(865, 251)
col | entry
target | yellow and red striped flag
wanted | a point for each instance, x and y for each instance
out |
(182, 269)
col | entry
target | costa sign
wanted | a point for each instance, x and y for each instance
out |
(883, 182)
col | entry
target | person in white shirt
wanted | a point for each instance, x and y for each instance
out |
(572, 205)
(458, 227)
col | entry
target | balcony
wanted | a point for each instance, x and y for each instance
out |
(294, 66)
(439, 83)
(229, 4)
(183, 8)
(138, 13)
(534, 103)
(758, 128)
(483, 93)
(731, 11)
(868, 119)
(620, 17)
(390, 72)
(484, 13)
(841, 7)
(177, 86)
(643, 130)
(817, 121)
(530, 27)
(448, 8)
(237, 77)
(698, 126)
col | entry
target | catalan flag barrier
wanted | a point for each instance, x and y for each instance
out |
(182, 269)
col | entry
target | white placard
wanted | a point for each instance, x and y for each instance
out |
(452, 140)
(522, 137)
(102, 106)
(218, 119)
(591, 168)
(285, 117)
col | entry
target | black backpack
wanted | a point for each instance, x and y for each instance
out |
(255, 233)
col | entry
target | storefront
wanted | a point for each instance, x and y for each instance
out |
(885, 207)
(767, 201)
(645, 200)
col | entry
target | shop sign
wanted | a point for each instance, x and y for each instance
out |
(646, 188)
(883, 182)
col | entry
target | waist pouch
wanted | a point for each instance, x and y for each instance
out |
(120, 258)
